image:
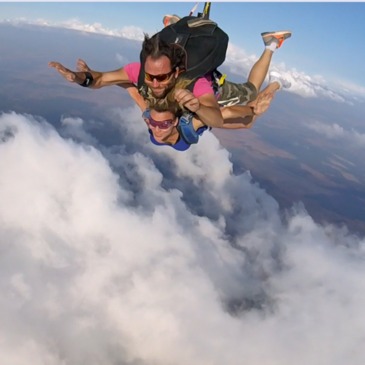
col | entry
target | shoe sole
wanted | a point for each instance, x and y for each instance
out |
(284, 33)
(170, 19)
(280, 36)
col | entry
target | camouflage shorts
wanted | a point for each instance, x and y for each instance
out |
(231, 93)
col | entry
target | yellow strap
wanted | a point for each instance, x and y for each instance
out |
(206, 8)
(222, 79)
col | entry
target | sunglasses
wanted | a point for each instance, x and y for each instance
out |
(164, 124)
(158, 78)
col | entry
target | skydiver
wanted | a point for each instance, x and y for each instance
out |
(163, 116)
(163, 67)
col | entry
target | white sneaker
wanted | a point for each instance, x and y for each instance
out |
(281, 80)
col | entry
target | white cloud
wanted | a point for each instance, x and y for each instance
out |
(238, 60)
(350, 89)
(311, 86)
(337, 132)
(108, 256)
(129, 32)
(315, 86)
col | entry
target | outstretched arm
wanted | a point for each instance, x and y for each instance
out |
(129, 87)
(99, 79)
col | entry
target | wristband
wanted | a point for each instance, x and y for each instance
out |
(88, 80)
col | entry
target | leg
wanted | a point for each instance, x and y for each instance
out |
(272, 41)
(260, 68)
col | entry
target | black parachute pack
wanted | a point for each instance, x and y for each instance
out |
(204, 43)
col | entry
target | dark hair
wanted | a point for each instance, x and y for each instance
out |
(155, 47)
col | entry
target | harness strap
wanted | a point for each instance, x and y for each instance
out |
(186, 129)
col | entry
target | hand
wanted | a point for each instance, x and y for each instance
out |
(63, 71)
(262, 103)
(82, 66)
(186, 99)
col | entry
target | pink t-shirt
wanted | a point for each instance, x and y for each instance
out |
(202, 86)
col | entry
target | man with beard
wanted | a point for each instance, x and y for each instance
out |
(162, 67)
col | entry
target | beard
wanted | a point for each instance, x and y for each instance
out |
(163, 93)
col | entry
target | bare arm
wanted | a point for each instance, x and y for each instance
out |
(244, 116)
(205, 107)
(129, 87)
(136, 96)
(109, 78)
(235, 117)
(210, 112)
(100, 79)
(238, 116)
(237, 111)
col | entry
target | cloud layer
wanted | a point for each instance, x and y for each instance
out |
(136, 254)
(336, 132)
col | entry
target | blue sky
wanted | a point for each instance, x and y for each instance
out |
(327, 37)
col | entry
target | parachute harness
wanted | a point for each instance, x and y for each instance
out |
(186, 129)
